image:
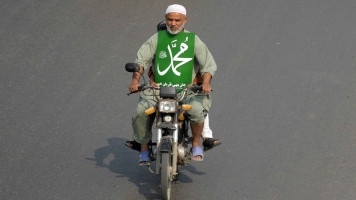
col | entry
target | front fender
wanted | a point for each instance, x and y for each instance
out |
(166, 125)
(166, 145)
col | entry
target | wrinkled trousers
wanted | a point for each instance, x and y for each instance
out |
(142, 123)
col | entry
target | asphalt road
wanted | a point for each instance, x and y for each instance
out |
(284, 99)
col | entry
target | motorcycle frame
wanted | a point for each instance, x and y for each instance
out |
(172, 148)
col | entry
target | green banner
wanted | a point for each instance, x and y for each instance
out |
(174, 59)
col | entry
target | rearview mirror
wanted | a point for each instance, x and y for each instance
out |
(132, 67)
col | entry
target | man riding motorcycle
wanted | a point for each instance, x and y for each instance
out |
(207, 134)
(181, 71)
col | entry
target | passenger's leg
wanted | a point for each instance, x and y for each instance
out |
(207, 132)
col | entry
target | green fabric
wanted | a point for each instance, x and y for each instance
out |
(203, 59)
(174, 59)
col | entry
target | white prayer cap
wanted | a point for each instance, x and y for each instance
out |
(176, 8)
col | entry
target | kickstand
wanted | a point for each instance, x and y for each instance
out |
(149, 169)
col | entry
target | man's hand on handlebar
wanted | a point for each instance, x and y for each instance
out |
(134, 85)
(206, 87)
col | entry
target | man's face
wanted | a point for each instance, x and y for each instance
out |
(175, 22)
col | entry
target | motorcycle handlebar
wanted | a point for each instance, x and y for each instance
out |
(194, 88)
(141, 88)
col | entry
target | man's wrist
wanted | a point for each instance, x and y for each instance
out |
(135, 80)
(206, 78)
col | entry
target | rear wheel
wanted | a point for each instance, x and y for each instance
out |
(165, 176)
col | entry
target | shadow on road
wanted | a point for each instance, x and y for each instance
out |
(124, 162)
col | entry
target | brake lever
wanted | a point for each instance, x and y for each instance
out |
(140, 88)
(128, 94)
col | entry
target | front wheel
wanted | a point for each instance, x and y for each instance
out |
(165, 176)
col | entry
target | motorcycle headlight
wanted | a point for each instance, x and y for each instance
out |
(167, 106)
(167, 118)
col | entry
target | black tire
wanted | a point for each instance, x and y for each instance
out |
(165, 176)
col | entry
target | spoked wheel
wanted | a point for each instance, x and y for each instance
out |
(165, 176)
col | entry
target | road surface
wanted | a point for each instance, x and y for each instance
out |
(284, 100)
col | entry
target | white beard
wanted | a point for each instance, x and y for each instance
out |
(175, 32)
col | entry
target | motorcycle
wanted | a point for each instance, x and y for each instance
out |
(172, 146)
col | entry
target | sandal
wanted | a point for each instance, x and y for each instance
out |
(197, 151)
(210, 143)
(144, 158)
(133, 145)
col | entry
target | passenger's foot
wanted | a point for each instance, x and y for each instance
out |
(197, 154)
(133, 145)
(210, 143)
